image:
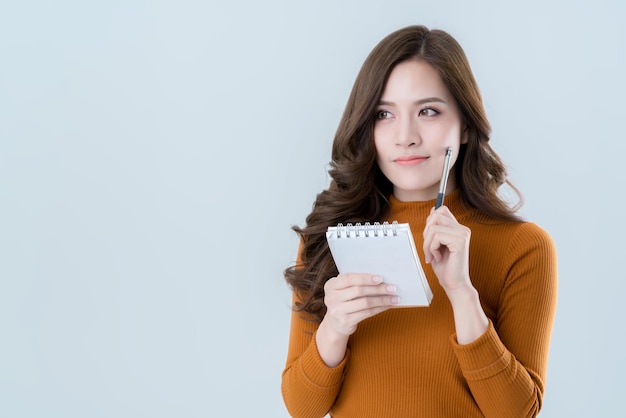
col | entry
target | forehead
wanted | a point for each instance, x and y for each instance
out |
(414, 79)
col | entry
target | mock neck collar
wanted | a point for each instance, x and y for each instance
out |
(417, 212)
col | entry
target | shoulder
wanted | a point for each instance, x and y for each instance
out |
(531, 235)
(516, 231)
(531, 253)
(511, 241)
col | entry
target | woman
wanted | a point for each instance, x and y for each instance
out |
(481, 347)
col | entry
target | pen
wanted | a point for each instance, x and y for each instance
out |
(444, 179)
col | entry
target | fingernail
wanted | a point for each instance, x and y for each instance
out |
(395, 300)
(391, 288)
(377, 279)
(428, 259)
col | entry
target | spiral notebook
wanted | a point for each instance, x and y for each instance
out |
(387, 250)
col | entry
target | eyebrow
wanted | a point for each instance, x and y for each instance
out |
(417, 102)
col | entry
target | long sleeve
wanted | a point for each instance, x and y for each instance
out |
(309, 387)
(506, 367)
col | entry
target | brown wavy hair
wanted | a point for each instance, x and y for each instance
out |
(359, 191)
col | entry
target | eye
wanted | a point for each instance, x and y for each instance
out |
(428, 111)
(383, 114)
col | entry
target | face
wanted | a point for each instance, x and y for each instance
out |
(417, 119)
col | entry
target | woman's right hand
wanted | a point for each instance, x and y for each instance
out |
(349, 299)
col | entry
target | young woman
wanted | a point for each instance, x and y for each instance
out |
(481, 347)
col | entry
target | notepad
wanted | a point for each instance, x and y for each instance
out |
(386, 250)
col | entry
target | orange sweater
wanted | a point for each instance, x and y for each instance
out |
(405, 362)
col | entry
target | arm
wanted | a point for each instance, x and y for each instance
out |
(505, 365)
(318, 353)
(309, 386)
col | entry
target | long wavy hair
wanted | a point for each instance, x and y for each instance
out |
(358, 191)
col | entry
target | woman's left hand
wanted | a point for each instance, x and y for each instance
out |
(446, 247)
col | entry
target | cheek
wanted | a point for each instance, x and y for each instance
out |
(451, 135)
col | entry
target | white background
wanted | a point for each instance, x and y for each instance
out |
(154, 155)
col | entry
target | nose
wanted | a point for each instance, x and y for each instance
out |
(407, 133)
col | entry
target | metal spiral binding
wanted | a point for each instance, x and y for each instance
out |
(367, 229)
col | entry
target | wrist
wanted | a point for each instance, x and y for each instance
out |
(463, 294)
(330, 334)
(331, 345)
(469, 318)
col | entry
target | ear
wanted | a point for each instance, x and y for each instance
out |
(465, 135)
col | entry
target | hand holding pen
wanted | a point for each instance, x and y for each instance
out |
(446, 242)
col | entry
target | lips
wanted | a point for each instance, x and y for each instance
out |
(410, 159)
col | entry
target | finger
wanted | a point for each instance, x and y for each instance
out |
(443, 236)
(438, 236)
(456, 236)
(437, 253)
(441, 216)
(361, 315)
(432, 253)
(443, 210)
(431, 243)
(356, 292)
(344, 281)
(350, 320)
(364, 307)
(428, 255)
(443, 240)
(434, 220)
(334, 296)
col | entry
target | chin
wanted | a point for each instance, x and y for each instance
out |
(427, 191)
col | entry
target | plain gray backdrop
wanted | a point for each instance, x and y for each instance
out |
(154, 155)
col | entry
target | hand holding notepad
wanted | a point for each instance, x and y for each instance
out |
(386, 250)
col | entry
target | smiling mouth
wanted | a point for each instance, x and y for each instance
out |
(410, 160)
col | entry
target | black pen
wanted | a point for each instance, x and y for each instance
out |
(444, 179)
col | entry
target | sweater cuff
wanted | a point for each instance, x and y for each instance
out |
(483, 358)
(317, 372)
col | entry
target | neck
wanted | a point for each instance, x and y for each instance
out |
(418, 211)
(424, 195)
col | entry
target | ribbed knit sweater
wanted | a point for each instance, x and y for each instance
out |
(405, 362)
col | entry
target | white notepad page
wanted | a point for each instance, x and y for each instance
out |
(386, 250)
